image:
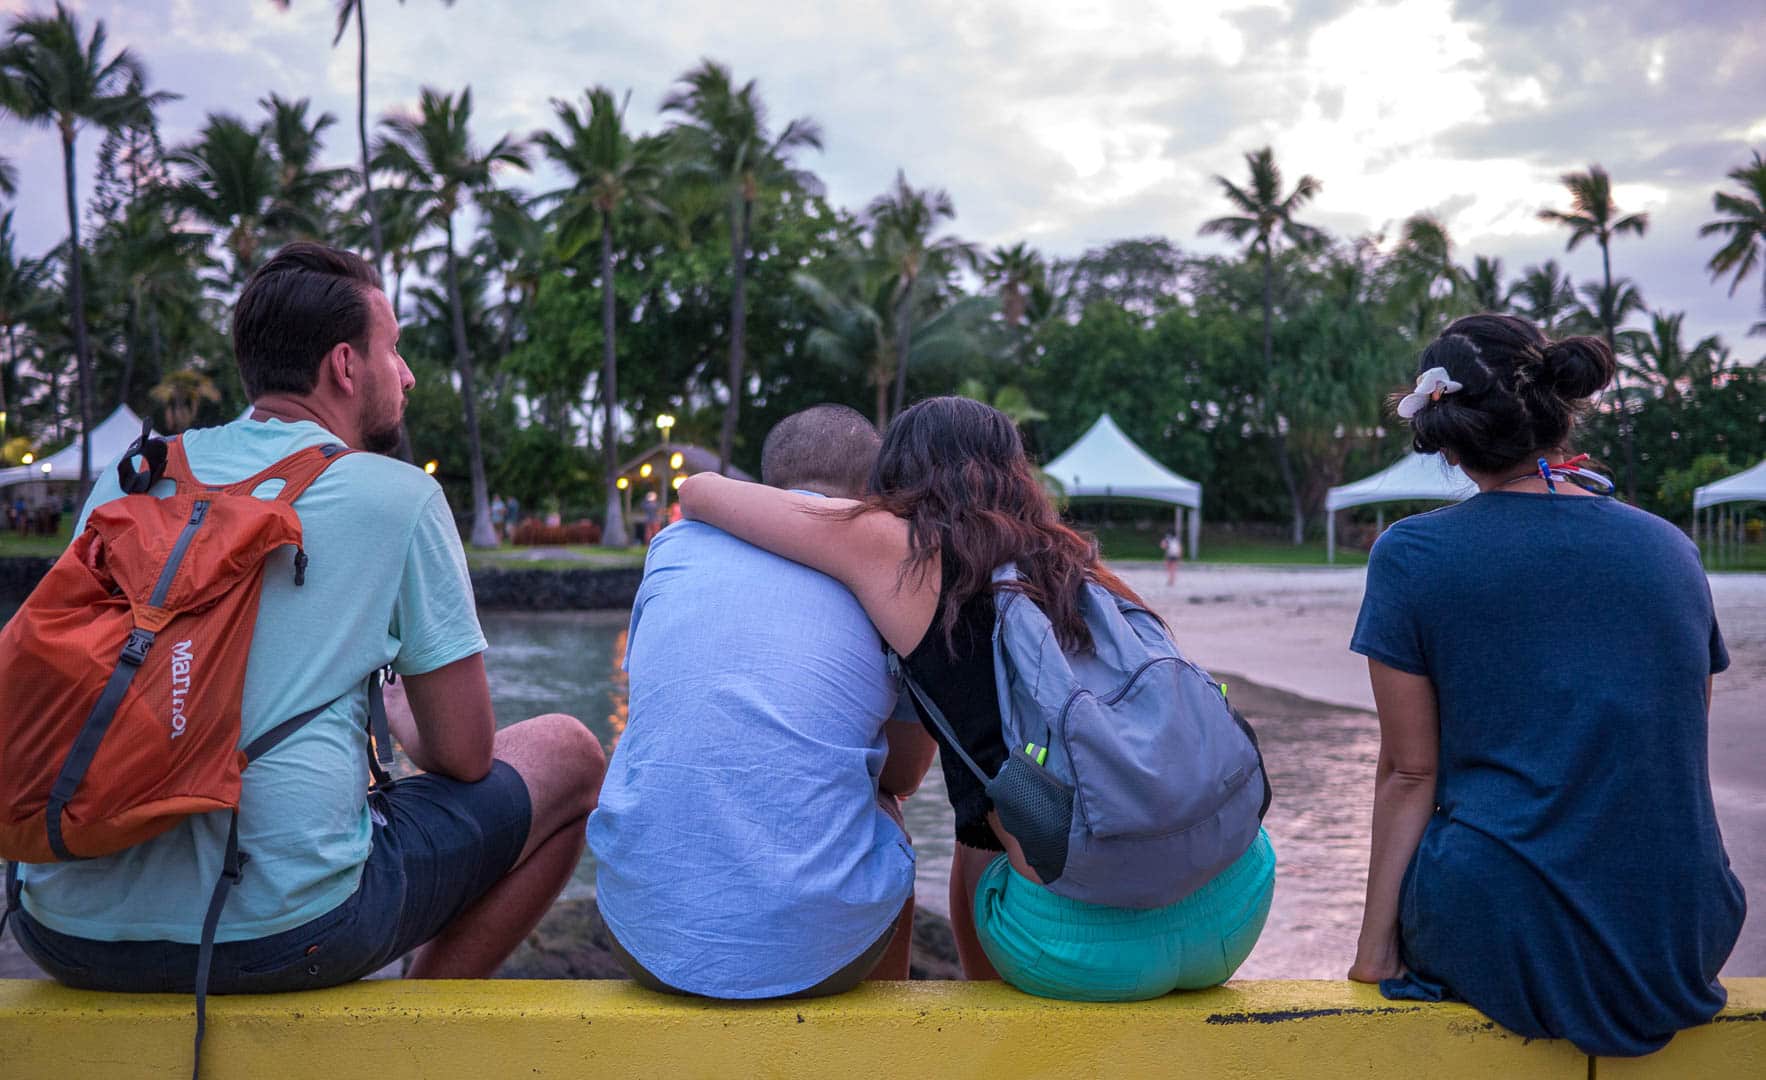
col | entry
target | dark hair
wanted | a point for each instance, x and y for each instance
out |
(828, 449)
(296, 308)
(1520, 393)
(955, 469)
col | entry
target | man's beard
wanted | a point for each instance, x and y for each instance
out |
(379, 435)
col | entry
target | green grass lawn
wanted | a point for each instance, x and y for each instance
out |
(1740, 557)
(1121, 543)
(571, 557)
(12, 545)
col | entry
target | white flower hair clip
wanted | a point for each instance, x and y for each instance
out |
(1430, 385)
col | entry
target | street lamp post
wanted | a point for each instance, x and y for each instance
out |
(665, 423)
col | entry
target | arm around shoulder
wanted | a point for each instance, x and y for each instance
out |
(864, 552)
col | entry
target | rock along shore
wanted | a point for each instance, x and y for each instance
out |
(496, 588)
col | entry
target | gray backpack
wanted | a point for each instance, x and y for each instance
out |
(1130, 781)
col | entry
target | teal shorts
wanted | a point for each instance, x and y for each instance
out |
(1053, 947)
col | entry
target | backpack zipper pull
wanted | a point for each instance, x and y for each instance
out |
(300, 566)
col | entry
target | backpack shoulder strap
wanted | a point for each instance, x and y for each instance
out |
(933, 712)
(297, 471)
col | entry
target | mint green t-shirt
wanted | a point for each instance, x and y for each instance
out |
(386, 583)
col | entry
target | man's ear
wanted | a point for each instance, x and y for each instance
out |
(341, 368)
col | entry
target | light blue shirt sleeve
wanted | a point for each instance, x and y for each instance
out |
(434, 617)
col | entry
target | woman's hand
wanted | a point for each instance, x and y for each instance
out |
(1376, 962)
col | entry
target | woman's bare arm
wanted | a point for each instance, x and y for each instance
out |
(864, 553)
(1404, 799)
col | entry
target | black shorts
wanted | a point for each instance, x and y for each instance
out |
(439, 845)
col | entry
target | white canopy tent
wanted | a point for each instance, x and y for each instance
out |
(1720, 526)
(1105, 464)
(110, 438)
(1413, 477)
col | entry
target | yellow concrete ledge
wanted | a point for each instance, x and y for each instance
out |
(1732, 1045)
(1316, 1030)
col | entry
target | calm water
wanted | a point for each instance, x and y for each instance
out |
(1321, 768)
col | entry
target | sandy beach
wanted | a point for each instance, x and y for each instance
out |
(1288, 630)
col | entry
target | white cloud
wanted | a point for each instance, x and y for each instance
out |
(1067, 122)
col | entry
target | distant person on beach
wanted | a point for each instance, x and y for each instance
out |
(453, 866)
(953, 498)
(1173, 550)
(749, 841)
(1544, 841)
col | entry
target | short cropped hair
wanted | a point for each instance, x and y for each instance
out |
(297, 307)
(827, 449)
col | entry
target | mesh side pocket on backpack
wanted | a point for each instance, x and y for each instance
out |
(1037, 809)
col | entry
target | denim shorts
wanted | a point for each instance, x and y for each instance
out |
(1048, 945)
(442, 845)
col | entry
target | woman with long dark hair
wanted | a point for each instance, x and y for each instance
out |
(953, 498)
(1544, 841)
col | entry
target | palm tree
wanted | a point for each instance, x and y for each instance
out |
(1593, 213)
(180, 394)
(610, 172)
(1484, 285)
(152, 268)
(304, 189)
(1009, 399)
(357, 10)
(1429, 282)
(723, 136)
(21, 294)
(1661, 358)
(401, 226)
(1745, 225)
(8, 176)
(902, 221)
(1544, 294)
(854, 311)
(1017, 270)
(432, 154)
(53, 76)
(1602, 306)
(230, 183)
(1265, 217)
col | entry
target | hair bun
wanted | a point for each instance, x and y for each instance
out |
(1579, 367)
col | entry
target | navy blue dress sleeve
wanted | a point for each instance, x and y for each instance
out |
(1388, 629)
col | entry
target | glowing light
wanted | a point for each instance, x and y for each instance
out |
(431, 465)
(678, 481)
(675, 459)
(27, 459)
(644, 470)
(48, 467)
(665, 422)
(622, 483)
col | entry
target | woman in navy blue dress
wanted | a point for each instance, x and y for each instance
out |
(1545, 846)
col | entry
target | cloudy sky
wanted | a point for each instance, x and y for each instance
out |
(1069, 123)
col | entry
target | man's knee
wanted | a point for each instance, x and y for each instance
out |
(560, 760)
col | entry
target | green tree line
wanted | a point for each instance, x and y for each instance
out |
(699, 269)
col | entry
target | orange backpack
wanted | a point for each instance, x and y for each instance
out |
(123, 672)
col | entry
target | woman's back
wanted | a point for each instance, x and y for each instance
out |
(1573, 873)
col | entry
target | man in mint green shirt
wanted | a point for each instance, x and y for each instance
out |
(455, 865)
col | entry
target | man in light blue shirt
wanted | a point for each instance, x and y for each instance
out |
(453, 866)
(748, 842)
